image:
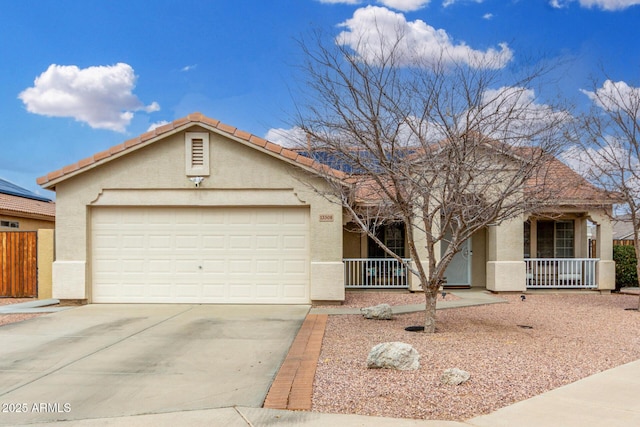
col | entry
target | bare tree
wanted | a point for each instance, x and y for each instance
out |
(610, 148)
(444, 147)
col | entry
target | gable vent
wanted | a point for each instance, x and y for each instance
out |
(196, 150)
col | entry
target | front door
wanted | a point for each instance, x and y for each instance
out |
(458, 273)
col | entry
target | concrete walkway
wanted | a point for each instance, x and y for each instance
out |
(35, 306)
(467, 298)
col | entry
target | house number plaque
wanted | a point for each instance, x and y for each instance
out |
(326, 217)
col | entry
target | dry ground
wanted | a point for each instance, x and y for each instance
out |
(17, 317)
(568, 337)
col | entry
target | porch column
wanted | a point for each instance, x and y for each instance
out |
(505, 264)
(421, 247)
(606, 267)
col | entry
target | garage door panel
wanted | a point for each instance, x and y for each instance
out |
(201, 255)
(241, 217)
(294, 242)
(270, 242)
(240, 242)
(297, 290)
(268, 266)
(267, 291)
(215, 242)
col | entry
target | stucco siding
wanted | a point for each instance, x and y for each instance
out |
(155, 176)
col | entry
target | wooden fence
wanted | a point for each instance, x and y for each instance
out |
(622, 242)
(18, 264)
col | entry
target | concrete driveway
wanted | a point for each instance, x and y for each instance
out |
(117, 360)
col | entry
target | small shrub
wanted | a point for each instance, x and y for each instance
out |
(625, 258)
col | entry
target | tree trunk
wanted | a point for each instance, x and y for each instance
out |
(431, 295)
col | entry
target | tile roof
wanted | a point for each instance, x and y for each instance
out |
(554, 184)
(565, 184)
(558, 183)
(49, 180)
(19, 206)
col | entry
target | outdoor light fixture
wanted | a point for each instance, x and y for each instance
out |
(197, 180)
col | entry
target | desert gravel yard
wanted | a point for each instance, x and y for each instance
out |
(5, 319)
(513, 351)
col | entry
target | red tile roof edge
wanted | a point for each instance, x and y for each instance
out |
(194, 118)
(28, 208)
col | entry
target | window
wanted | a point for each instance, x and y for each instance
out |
(10, 224)
(564, 239)
(555, 239)
(392, 236)
(197, 153)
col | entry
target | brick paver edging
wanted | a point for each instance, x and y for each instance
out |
(292, 388)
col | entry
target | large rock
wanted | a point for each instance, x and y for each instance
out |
(379, 312)
(454, 376)
(394, 355)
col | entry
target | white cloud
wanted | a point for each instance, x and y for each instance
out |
(610, 5)
(612, 96)
(609, 164)
(373, 30)
(579, 160)
(291, 138)
(405, 5)
(157, 125)
(511, 113)
(447, 3)
(188, 68)
(487, 16)
(100, 96)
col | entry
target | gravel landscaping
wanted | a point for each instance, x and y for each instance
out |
(360, 299)
(5, 319)
(513, 351)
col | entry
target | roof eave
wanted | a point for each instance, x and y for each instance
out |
(50, 180)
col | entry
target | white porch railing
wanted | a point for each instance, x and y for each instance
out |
(376, 273)
(561, 272)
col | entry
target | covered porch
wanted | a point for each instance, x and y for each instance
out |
(540, 251)
(558, 250)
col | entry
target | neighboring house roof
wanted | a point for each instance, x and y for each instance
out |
(622, 228)
(51, 179)
(7, 187)
(18, 201)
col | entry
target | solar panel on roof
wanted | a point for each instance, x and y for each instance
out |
(12, 189)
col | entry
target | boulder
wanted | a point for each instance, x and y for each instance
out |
(394, 355)
(379, 312)
(454, 376)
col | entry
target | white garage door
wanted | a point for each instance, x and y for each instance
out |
(200, 255)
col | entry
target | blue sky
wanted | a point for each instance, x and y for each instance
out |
(80, 76)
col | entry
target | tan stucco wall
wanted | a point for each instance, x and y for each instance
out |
(45, 263)
(26, 224)
(505, 248)
(606, 267)
(354, 244)
(155, 176)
